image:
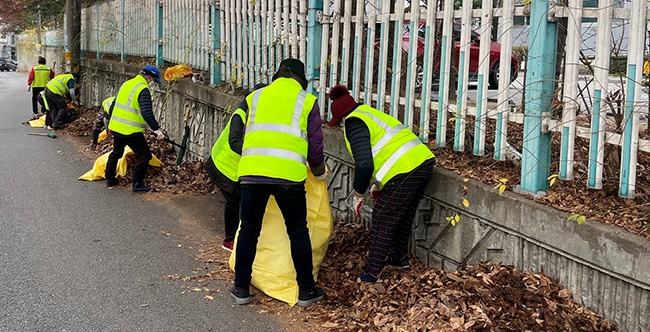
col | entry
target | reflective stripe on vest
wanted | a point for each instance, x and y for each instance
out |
(106, 104)
(275, 142)
(385, 166)
(59, 84)
(126, 118)
(45, 104)
(41, 76)
(225, 159)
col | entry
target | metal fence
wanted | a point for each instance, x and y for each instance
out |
(456, 81)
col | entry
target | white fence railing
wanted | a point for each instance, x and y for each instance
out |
(435, 68)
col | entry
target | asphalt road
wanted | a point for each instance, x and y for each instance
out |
(75, 256)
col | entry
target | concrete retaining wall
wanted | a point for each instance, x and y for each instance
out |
(607, 268)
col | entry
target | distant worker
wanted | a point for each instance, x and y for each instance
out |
(101, 120)
(283, 133)
(38, 78)
(388, 153)
(58, 92)
(130, 115)
(223, 165)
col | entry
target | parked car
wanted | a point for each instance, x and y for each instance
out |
(474, 60)
(7, 65)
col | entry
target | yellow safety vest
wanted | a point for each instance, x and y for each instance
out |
(395, 149)
(59, 84)
(227, 160)
(106, 104)
(41, 76)
(126, 118)
(275, 143)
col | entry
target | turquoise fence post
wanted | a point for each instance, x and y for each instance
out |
(542, 45)
(215, 55)
(159, 20)
(314, 39)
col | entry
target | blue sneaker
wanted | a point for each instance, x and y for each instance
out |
(368, 277)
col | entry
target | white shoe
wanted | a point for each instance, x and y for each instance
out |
(48, 127)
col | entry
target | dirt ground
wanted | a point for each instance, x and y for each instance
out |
(485, 297)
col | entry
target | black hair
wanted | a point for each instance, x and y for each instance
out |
(41, 60)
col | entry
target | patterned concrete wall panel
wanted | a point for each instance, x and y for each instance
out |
(617, 299)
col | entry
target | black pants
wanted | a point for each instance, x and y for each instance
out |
(58, 108)
(35, 92)
(231, 212)
(292, 202)
(232, 193)
(140, 148)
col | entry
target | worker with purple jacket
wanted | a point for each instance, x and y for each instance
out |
(283, 134)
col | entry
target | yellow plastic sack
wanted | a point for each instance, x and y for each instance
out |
(102, 136)
(273, 271)
(99, 168)
(177, 72)
(38, 123)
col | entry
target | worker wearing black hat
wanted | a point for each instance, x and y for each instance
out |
(283, 134)
(131, 113)
(38, 78)
(390, 155)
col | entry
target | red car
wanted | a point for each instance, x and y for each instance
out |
(495, 54)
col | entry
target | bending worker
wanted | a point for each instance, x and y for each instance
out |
(101, 120)
(131, 113)
(389, 153)
(58, 92)
(283, 133)
(38, 78)
(223, 165)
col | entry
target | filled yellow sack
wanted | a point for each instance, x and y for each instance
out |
(37, 123)
(273, 271)
(99, 168)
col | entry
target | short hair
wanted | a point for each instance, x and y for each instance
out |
(41, 60)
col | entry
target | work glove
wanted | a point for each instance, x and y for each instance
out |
(29, 88)
(374, 192)
(357, 202)
(160, 135)
(321, 177)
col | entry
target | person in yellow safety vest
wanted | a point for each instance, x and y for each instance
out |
(38, 78)
(58, 91)
(388, 153)
(131, 113)
(222, 168)
(101, 120)
(283, 133)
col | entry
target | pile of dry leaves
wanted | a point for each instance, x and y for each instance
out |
(571, 196)
(188, 177)
(485, 297)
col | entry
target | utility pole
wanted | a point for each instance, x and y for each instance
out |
(73, 28)
(38, 31)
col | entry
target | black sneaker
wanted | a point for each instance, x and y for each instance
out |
(400, 262)
(241, 295)
(307, 298)
(110, 183)
(140, 187)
